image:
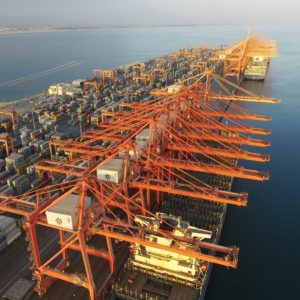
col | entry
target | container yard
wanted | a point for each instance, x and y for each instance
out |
(9, 231)
(120, 182)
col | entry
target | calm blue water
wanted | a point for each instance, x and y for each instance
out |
(268, 230)
(26, 54)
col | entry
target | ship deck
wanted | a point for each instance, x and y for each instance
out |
(145, 285)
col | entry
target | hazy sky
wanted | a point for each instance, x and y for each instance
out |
(142, 12)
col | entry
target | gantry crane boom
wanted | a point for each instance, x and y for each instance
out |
(230, 139)
(232, 129)
(189, 252)
(227, 115)
(239, 199)
(240, 154)
(57, 167)
(243, 98)
(212, 169)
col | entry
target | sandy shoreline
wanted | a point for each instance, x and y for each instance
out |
(40, 31)
(21, 105)
(7, 31)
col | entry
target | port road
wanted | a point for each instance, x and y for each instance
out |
(15, 263)
(14, 260)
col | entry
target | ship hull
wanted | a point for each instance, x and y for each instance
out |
(254, 77)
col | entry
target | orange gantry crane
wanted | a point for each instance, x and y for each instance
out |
(236, 57)
(144, 78)
(10, 112)
(160, 145)
(91, 83)
(105, 74)
(139, 67)
(7, 140)
(7, 137)
(160, 72)
(160, 62)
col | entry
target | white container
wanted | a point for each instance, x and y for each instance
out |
(65, 213)
(175, 88)
(111, 171)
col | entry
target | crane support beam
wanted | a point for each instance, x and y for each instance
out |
(91, 251)
(228, 261)
(13, 210)
(129, 121)
(239, 154)
(71, 278)
(210, 168)
(57, 167)
(239, 140)
(244, 98)
(226, 115)
(238, 199)
(80, 148)
(95, 135)
(239, 129)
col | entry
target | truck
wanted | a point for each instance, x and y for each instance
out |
(9, 231)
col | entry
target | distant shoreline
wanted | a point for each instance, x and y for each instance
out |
(6, 30)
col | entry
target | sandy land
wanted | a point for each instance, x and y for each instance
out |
(21, 105)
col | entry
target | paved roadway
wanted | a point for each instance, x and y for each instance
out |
(14, 260)
(14, 263)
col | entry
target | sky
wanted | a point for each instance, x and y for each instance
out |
(146, 12)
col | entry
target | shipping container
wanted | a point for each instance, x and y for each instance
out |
(66, 212)
(112, 170)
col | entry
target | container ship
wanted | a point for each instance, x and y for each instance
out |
(256, 69)
(132, 206)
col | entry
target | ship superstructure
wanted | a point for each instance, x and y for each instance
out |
(169, 264)
(257, 68)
